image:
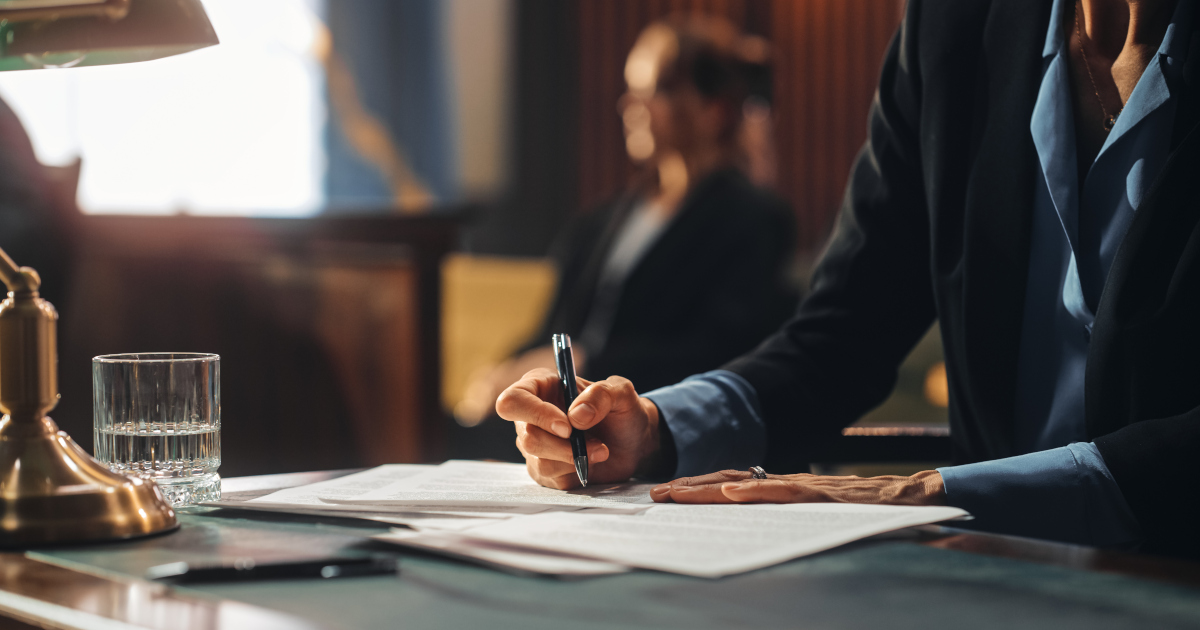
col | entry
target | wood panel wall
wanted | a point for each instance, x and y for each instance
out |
(827, 60)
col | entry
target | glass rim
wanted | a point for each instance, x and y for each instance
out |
(157, 357)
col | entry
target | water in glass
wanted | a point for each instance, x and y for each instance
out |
(158, 416)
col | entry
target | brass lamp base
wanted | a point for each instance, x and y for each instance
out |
(51, 492)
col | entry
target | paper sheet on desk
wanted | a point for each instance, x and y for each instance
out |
(422, 521)
(460, 484)
(501, 556)
(308, 499)
(434, 522)
(708, 540)
(347, 487)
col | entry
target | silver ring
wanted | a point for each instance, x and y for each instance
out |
(756, 472)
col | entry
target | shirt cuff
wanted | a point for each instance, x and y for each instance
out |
(715, 421)
(1064, 494)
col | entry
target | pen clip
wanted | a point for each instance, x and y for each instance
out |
(564, 361)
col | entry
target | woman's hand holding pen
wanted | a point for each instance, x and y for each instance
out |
(622, 428)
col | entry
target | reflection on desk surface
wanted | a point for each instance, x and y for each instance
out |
(922, 580)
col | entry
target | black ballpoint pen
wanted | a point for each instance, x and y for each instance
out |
(570, 389)
(247, 569)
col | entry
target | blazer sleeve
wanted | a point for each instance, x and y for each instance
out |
(872, 295)
(1154, 465)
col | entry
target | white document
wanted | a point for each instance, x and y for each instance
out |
(500, 555)
(708, 540)
(347, 487)
(311, 499)
(460, 484)
(440, 522)
(444, 520)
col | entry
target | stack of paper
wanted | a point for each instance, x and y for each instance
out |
(494, 514)
(434, 502)
(502, 556)
(457, 485)
(706, 540)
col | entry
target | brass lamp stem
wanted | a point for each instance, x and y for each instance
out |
(51, 491)
(8, 269)
(28, 346)
(15, 277)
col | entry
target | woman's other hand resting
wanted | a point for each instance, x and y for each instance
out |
(737, 486)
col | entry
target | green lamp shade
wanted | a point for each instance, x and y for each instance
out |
(151, 29)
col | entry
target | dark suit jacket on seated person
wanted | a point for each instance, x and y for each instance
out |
(709, 288)
(1068, 300)
(937, 224)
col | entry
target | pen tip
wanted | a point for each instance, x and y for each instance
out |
(581, 469)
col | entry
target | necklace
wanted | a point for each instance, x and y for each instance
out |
(1109, 121)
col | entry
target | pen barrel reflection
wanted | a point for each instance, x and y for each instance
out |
(565, 362)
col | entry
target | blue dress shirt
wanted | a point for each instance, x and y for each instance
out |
(1060, 488)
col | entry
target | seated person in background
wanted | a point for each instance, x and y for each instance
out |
(689, 268)
(1029, 182)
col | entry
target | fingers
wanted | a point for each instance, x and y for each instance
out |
(665, 492)
(534, 441)
(723, 487)
(547, 474)
(710, 493)
(710, 478)
(739, 486)
(531, 400)
(548, 458)
(702, 489)
(748, 491)
(542, 428)
(548, 468)
(599, 399)
(557, 474)
(769, 491)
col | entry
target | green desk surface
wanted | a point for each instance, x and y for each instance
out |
(887, 583)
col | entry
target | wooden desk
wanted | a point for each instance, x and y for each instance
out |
(927, 578)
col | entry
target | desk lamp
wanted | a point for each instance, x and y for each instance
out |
(75, 33)
(51, 491)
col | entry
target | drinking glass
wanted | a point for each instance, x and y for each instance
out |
(158, 416)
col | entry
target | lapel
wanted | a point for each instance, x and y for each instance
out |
(1145, 264)
(998, 218)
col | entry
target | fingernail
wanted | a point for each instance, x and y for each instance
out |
(561, 429)
(601, 453)
(583, 414)
(661, 489)
(733, 486)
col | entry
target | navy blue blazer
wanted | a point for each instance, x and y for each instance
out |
(935, 225)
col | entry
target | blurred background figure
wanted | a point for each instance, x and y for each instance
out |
(360, 203)
(688, 267)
